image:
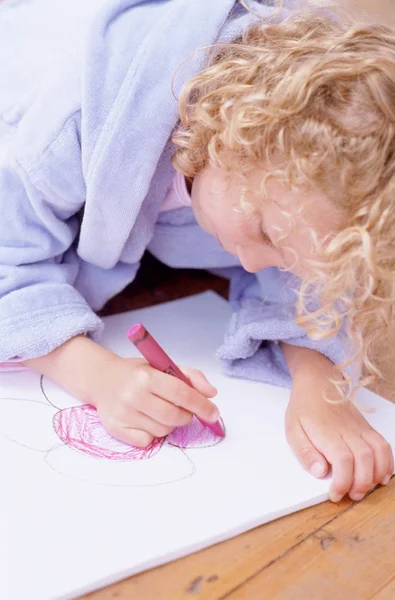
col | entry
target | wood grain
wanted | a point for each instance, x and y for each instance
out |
(350, 557)
(214, 572)
(327, 552)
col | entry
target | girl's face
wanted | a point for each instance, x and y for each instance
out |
(260, 234)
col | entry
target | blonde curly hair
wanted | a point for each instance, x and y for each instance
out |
(318, 91)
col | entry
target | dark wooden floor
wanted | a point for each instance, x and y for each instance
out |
(156, 283)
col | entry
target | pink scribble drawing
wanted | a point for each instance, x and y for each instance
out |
(78, 429)
(194, 435)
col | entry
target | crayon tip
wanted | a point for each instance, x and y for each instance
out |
(217, 428)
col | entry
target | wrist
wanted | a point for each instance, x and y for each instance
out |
(304, 361)
(76, 366)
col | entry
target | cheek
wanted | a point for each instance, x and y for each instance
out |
(235, 233)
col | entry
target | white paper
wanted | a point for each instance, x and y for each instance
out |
(74, 523)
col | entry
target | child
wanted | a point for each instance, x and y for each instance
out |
(286, 155)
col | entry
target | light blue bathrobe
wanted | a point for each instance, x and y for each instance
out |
(86, 115)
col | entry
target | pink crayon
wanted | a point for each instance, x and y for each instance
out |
(158, 359)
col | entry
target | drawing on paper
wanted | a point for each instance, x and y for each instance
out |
(80, 428)
(77, 446)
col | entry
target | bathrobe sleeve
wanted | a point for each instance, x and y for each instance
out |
(39, 306)
(264, 315)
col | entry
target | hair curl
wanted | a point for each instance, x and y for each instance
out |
(318, 91)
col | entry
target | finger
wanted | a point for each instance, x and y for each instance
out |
(177, 392)
(310, 459)
(363, 467)
(165, 412)
(142, 433)
(200, 382)
(155, 429)
(342, 460)
(131, 436)
(383, 456)
(391, 469)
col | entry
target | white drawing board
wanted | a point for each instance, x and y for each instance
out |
(75, 522)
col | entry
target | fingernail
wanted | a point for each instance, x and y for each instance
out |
(386, 480)
(214, 415)
(335, 497)
(357, 497)
(317, 470)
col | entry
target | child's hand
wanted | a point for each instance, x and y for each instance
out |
(136, 402)
(323, 434)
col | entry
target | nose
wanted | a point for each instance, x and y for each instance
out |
(252, 260)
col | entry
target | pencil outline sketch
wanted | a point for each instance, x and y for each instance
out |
(79, 429)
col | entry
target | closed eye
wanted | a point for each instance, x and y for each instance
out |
(266, 239)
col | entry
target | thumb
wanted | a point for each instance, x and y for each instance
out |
(305, 452)
(200, 382)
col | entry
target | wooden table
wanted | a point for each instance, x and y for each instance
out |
(327, 552)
